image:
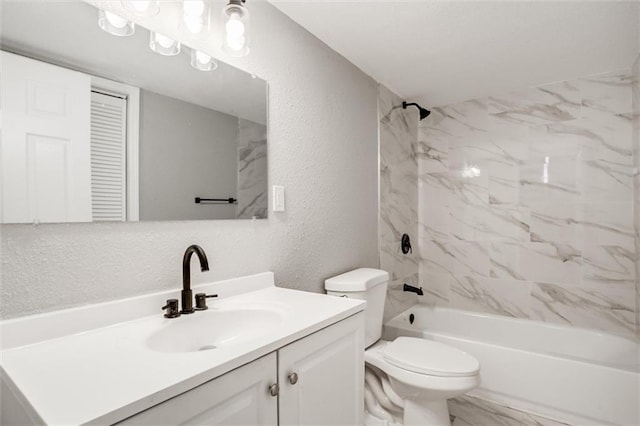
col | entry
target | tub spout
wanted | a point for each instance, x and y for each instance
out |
(412, 289)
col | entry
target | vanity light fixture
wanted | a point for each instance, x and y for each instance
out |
(235, 18)
(142, 7)
(115, 24)
(203, 62)
(195, 16)
(163, 45)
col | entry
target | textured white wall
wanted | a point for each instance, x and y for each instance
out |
(322, 148)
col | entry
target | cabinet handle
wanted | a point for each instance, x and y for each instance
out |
(293, 378)
(274, 389)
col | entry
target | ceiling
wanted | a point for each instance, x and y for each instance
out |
(440, 52)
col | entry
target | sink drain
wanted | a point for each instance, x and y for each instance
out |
(206, 347)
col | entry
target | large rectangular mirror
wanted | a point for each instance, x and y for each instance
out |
(100, 128)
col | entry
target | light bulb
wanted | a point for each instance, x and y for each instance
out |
(193, 24)
(234, 26)
(236, 43)
(141, 5)
(193, 7)
(115, 24)
(202, 57)
(164, 41)
(195, 16)
(203, 62)
(115, 20)
(235, 32)
(163, 45)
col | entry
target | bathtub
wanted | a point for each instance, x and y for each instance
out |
(572, 375)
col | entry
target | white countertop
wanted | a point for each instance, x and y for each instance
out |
(104, 375)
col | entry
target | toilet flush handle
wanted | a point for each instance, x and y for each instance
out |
(293, 378)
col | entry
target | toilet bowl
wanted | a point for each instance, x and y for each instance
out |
(407, 378)
(424, 374)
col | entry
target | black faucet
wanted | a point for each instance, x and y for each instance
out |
(187, 296)
(413, 289)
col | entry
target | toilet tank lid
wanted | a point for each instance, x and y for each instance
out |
(357, 280)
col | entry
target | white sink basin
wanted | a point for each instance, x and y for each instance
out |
(215, 328)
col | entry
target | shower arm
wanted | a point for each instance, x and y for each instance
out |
(424, 113)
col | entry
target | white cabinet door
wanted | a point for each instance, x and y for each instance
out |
(238, 398)
(329, 366)
(45, 151)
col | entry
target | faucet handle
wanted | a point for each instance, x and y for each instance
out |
(201, 301)
(173, 309)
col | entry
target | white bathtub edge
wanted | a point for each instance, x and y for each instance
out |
(533, 398)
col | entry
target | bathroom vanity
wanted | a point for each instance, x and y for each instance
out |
(260, 355)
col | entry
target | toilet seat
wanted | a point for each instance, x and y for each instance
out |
(429, 357)
(431, 386)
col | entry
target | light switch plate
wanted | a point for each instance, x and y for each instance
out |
(278, 198)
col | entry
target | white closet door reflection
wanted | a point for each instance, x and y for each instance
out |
(108, 157)
(45, 142)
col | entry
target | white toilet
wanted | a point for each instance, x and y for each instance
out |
(408, 378)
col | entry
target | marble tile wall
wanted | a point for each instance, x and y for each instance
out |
(398, 198)
(636, 193)
(252, 170)
(526, 204)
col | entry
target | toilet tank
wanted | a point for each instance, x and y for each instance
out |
(366, 284)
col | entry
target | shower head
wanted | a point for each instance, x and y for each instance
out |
(424, 113)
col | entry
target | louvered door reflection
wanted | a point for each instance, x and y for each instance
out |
(108, 157)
